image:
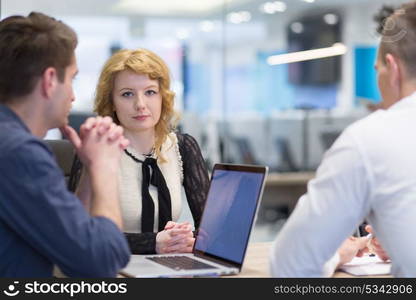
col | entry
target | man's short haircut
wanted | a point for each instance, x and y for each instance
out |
(28, 46)
(398, 34)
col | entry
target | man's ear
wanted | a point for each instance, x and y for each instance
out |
(49, 82)
(395, 70)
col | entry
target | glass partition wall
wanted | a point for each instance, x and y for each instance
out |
(256, 81)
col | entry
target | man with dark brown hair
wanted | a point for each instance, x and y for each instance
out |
(369, 172)
(41, 222)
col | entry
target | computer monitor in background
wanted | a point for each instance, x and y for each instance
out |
(248, 140)
(286, 139)
(323, 129)
(301, 35)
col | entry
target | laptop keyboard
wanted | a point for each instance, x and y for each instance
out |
(180, 263)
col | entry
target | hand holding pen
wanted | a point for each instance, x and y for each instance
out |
(374, 246)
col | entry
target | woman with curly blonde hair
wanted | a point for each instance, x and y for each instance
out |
(134, 89)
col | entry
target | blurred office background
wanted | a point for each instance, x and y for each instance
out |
(237, 94)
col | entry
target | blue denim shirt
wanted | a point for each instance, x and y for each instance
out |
(41, 222)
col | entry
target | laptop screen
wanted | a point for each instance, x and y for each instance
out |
(229, 213)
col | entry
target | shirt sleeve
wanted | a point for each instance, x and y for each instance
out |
(333, 207)
(331, 265)
(195, 181)
(53, 221)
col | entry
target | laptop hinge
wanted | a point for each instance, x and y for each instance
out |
(217, 261)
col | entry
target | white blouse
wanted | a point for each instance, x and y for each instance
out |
(130, 184)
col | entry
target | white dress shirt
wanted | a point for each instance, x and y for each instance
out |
(369, 172)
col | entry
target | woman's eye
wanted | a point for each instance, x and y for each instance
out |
(127, 94)
(150, 93)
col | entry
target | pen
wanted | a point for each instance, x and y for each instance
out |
(370, 248)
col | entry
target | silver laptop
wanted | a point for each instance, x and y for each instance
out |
(228, 217)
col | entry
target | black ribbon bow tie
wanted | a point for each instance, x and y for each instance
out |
(148, 208)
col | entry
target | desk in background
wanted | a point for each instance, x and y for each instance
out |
(284, 189)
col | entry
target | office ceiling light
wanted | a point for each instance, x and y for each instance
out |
(169, 7)
(182, 34)
(206, 26)
(273, 7)
(239, 17)
(334, 50)
(309, 1)
(331, 19)
(296, 27)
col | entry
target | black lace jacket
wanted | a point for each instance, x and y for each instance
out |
(195, 182)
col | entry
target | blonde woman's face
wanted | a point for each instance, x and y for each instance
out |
(137, 101)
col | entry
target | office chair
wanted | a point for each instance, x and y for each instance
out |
(245, 151)
(328, 138)
(286, 161)
(64, 153)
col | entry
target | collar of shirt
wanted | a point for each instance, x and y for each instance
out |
(10, 115)
(405, 102)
